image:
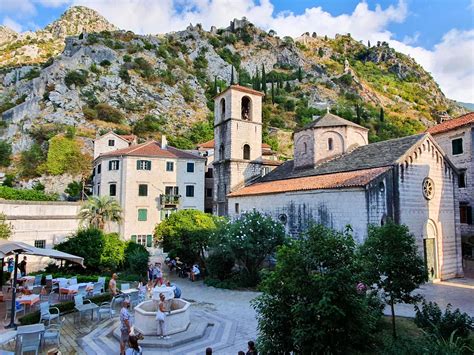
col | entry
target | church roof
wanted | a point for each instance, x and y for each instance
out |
(151, 149)
(374, 155)
(331, 120)
(347, 179)
(242, 89)
(461, 121)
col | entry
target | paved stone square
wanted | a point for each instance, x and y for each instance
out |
(233, 319)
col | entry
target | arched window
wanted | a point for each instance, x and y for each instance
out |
(221, 152)
(305, 148)
(246, 152)
(246, 108)
(222, 105)
(330, 144)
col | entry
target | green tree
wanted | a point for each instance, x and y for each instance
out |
(273, 93)
(98, 210)
(136, 258)
(310, 303)
(264, 80)
(5, 153)
(113, 253)
(391, 261)
(65, 156)
(74, 190)
(320, 52)
(232, 76)
(76, 77)
(250, 239)
(300, 74)
(30, 160)
(186, 233)
(5, 227)
(381, 115)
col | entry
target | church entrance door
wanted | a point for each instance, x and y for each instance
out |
(431, 255)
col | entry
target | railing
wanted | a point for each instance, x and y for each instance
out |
(169, 199)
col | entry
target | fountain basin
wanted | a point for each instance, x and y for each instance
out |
(176, 321)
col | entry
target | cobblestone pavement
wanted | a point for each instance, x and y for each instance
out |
(233, 316)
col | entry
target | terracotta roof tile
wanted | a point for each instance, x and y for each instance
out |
(128, 137)
(152, 149)
(454, 123)
(356, 178)
(210, 145)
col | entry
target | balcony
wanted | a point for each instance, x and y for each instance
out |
(169, 199)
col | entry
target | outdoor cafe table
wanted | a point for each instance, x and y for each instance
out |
(129, 291)
(74, 288)
(28, 300)
(26, 278)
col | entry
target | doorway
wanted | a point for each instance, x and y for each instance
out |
(430, 250)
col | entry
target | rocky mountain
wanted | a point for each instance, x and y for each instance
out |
(105, 79)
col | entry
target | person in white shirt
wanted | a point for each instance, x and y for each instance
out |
(195, 272)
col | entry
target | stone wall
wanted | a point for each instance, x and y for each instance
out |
(32, 221)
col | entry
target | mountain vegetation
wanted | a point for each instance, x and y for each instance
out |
(81, 76)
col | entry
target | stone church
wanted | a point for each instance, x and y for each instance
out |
(338, 179)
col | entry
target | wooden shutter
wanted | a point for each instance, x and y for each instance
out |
(148, 167)
(138, 164)
(469, 214)
(149, 239)
(134, 238)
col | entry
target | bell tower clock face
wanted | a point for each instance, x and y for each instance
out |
(428, 188)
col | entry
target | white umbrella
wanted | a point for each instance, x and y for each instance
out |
(8, 247)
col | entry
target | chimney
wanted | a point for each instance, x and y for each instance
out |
(164, 142)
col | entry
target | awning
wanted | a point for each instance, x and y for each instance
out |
(10, 247)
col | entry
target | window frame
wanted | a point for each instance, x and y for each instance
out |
(168, 165)
(111, 141)
(114, 164)
(40, 243)
(246, 152)
(330, 144)
(140, 191)
(209, 192)
(462, 181)
(99, 169)
(188, 165)
(115, 189)
(190, 188)
(142, 214)
(143, 164)
(454, 145)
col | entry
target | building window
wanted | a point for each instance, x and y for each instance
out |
(113, 165)
(246, 108)
(41, 243)
(142, 190)
(190, 168)
(462, 179)
(171, 191)
(305, 148)
(465, 213)
(246, 152)
(113, 189)
(111, 142)
(221, 152)
(222, 104)
(209, 192)
(169, 166)
(143, 165)
(98, 189)
(209, 173)
(141, 239)
(330, 144)
(142, 214)
(99, 168)
(190, 191)
(457, 146)
(237, 208)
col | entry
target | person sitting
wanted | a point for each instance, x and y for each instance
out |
(195, 272)
(177, 290)
(113, 285)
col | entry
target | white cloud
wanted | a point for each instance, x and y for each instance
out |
(53, 3)
(411, 39)
(21, 8)
(15, 26)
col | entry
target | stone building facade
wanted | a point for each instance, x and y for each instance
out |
(150, 181)
(456, 137)
(337, 179)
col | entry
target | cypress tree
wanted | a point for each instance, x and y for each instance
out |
(382, 118)
(280, 83)
(257, 81)
(232, 76)
(288, 87)
(273, 93)
(214, 90)
(300, 74)
(358, 119)
(264, 80)
(368, 44)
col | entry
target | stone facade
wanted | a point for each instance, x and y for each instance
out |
(237, 142)
(41, 224)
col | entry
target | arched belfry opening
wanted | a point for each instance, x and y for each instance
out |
(246, 107)
(246, 152)
(222, 108)
(221, 152)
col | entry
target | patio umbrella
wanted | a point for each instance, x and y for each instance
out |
(8, 247)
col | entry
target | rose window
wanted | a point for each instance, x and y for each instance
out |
(428, 188)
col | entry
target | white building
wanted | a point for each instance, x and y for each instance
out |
(456, 137)
(337, 179)
(150, 181)
(112, 141)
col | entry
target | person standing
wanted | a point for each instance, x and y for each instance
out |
(125, 325)
(113, 285)
(161, 318)
(150, 274)
(22, 267)
(251, 350)
(160, 274)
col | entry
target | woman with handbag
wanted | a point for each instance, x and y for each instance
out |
(161, 318)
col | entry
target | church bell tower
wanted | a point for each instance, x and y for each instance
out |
(237, 142)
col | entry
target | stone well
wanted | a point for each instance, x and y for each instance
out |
(176, 321)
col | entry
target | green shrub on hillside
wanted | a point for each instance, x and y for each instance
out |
(65, 156)
(9, 193)
(148, 124)
(108, 113)
(30, 160)
(76, 77)
(5, 153)
(187, 92)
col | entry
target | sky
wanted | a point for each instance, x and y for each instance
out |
(439, 34)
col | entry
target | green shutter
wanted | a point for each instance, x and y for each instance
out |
(149, 165)
(134, 238)
(142, 214)
(138, 164)
(149, 239)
